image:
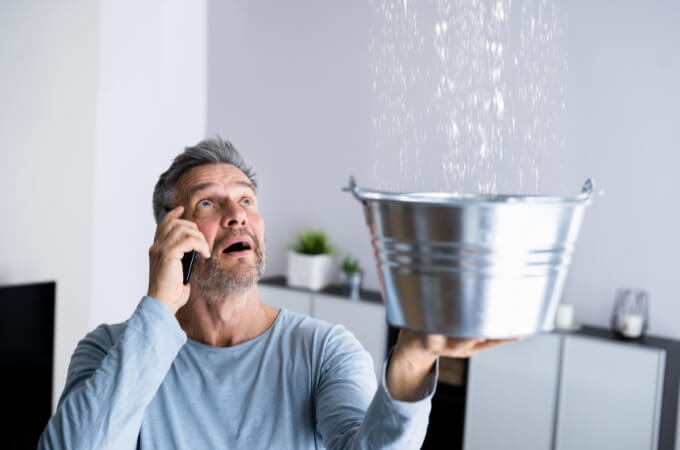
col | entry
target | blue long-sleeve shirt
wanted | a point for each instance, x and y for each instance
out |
(303, 384)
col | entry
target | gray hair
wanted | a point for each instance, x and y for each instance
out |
(208, 151)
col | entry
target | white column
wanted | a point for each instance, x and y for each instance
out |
(151, 104)
(48, 88)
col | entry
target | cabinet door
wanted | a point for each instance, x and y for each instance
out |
(365, 320)
(610, 396)
(286, 298)
(511, 396)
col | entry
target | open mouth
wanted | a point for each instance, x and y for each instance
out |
(238, 246)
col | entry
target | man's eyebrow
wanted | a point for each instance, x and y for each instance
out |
(199, 187)
(247, 184)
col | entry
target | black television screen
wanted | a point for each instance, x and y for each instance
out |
(26, 354)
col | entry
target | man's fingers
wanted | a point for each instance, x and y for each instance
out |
(442, 345)
(175, 212)
(165, 228)
(492, 343)
(487, 345)
(171, 215)
(466, 347)
(468, 344)
(174, 230)
(171, 220)
(188, 244)
(198, 242)
(175, 236)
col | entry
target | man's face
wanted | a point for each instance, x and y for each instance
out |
(221, 200)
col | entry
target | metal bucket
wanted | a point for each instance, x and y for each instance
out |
(489, 266)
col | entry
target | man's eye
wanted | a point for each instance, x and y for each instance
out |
(247, 201)
(204, 204)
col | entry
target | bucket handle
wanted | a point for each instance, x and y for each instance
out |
(589, 190)
(353, 188)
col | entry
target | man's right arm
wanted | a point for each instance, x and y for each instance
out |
(111, 380)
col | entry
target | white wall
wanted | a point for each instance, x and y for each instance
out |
(151, 104)
(623, 106)
(290, 85)
(97, 98)
(48, 82)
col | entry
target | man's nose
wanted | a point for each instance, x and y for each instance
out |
(234, 215)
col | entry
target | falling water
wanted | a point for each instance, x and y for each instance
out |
(469, 94)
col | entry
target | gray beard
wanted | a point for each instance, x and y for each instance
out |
(215, 283)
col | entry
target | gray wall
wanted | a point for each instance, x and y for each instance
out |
(290, 85)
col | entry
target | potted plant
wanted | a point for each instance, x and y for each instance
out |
(353, 275)
(310, 261)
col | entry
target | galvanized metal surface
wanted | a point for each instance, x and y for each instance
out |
(472, 265)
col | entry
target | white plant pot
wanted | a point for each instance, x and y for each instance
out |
(310, 271)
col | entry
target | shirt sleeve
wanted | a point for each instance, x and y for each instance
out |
(112, 379)
(353, 413)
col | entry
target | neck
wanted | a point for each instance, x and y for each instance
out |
(229, 320)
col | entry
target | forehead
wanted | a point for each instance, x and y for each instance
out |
(218, 174)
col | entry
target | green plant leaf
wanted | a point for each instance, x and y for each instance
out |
(312, 242)
(351, 265)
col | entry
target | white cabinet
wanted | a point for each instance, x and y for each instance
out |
(511, 396)
(364, 319)
(290, 299)
(610, 396)
(565, 392)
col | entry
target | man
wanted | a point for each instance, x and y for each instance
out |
(207, 365)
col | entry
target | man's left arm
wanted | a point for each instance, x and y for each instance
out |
(397, 414)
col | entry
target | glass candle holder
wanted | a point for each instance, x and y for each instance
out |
(630, 315)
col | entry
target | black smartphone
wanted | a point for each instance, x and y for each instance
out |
(188, 264)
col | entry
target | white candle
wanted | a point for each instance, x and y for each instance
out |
(564, 319)
(631, 325)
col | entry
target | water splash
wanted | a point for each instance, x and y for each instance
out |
(470, 94)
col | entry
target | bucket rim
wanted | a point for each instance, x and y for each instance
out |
(455, 199)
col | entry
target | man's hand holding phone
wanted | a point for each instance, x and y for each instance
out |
(174, 237)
